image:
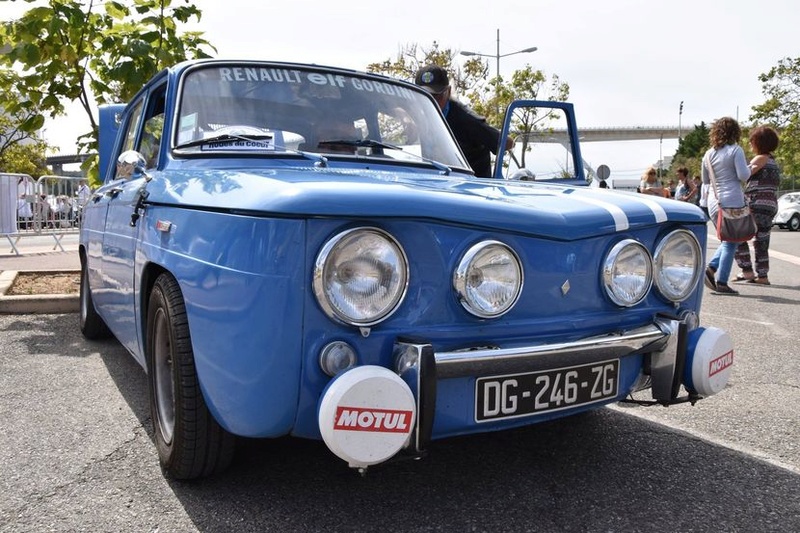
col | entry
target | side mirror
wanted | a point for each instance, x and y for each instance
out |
(522, 174)
(131, 165)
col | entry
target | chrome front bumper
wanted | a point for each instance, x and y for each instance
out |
(664, 341)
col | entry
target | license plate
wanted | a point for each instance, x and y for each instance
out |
(516, 395)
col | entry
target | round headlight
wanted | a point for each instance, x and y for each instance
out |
(361, 276)
(628, 273)
(677, 265)
(488, 280)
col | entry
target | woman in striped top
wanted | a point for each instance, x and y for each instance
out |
(761, 193)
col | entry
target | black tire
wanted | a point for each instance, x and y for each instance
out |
(92, 326)
(190, 443)
(794, 223)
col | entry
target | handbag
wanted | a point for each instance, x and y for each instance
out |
(734, 224)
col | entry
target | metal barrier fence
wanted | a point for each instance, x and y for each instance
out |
(51, 205)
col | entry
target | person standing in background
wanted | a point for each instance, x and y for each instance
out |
(650, 184)
(83, 193)
(685, 192)
(703, 203)
(698, 185)
(762, 198)
(725, 159)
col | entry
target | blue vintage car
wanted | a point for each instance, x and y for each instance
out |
(299, 250)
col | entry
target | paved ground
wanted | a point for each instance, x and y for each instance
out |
(39, 253)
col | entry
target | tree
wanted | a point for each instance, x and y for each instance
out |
(781, 87)
(21, 150)
(412, 57)
(527, 84)
(691, 150)
(93, 52)
(24, 158)
(488, 97)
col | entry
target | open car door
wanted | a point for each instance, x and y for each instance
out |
(546, 145)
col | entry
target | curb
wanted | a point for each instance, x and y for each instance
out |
(35, 303)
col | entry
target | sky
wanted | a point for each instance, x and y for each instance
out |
(627, 62)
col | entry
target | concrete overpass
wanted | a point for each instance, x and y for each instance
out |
(57, 162)
(630, 133)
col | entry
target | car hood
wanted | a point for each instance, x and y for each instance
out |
(537, 208)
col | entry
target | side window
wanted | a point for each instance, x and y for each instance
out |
(153, 130)
(132, 127)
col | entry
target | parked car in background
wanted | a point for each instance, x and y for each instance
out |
(788, 215)
(301, 250)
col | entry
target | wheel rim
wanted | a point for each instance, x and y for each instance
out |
(162, 369)
(794, 224)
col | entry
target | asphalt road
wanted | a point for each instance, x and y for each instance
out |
(76, 451)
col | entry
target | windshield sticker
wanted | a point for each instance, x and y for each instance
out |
(187, 127)
(239, 145)
(318, 79)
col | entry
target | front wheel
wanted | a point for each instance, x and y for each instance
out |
(794, 223)
(190, 443)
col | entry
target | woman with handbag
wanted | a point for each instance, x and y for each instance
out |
(725, 168)
(762, 196)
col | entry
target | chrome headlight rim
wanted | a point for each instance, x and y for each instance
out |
(323, 262)
(460, 278)
(608, 273)
(666, 241)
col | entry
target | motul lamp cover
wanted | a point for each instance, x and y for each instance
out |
(712, 362)
(366, 415)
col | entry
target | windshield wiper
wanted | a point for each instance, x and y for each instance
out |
(372, 143)
(360, 143)
(222, 138)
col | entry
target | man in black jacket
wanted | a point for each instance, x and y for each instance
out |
(474, 135)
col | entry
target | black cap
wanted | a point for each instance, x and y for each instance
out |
(432, 78)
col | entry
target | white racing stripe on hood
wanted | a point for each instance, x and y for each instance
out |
(655, 207)
(620, 218)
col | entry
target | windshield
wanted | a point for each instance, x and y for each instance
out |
(275, 109)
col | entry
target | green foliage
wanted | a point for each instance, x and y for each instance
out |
(781, 109)
(487, 97)
(93, 52)
(527, 84)
(27, 158)
(412, 57)
(691, 150)
(21, 150)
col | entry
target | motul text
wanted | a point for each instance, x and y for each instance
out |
(377, 420)
(720, 363)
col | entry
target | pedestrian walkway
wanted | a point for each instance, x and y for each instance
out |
(37, 253)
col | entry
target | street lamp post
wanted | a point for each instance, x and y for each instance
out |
(497, 56)
(680, 114)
